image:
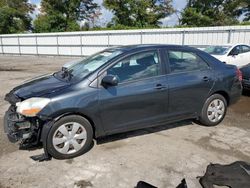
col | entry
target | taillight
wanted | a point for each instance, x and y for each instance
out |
(239, 74)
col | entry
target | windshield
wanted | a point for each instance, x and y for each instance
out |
(217, 50)
(87, 66)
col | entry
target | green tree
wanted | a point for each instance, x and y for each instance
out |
(54, 23)
(245, 9)
(192, 17)
(211, 13)
(64, 15)
(139, 13)
(15, 16)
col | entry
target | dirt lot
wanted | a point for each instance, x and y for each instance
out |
(162, 156)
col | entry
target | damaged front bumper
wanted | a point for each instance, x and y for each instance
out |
(30, 132)
(27, 131)
(21, 129)
(16, 126)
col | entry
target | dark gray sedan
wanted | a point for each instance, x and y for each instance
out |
(246, 77)
(117, 90)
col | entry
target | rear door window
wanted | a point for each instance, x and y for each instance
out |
(245, 48)
(183, 61)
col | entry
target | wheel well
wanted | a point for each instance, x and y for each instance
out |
(82, 115)
(225, 95)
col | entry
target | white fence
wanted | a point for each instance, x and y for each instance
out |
(86, 43)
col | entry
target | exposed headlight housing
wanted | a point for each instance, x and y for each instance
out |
(31, 107)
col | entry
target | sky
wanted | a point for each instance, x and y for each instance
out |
(107, 15)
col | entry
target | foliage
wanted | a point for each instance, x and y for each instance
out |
(54, 23)
(65, 15)
(140, 13)
(14, 16)
(211, 12)
(245, 23)
(245, 9)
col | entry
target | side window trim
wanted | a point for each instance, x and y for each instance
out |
(241, 49)
(164, 60)
(166, 57)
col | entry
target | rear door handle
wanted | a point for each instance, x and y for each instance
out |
(160, 86)
(206, 79)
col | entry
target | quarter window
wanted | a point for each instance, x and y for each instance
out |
(139, 66)
(181, 61)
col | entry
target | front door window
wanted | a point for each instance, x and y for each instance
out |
(135, 67)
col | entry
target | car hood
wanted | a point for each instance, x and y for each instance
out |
(37, 87)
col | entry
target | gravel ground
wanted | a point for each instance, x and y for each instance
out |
(162, 156)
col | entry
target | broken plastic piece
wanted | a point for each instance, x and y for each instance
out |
(41, 157)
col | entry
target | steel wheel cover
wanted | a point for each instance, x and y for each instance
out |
(216, 110)
(69, 138)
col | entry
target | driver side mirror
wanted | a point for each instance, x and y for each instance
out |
(110, 80)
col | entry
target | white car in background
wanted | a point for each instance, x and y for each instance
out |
(235, 54)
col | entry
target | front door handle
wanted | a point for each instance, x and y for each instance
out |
(160, 86)
(206, 79)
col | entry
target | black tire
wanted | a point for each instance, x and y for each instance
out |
(67, 119)
(204, 119)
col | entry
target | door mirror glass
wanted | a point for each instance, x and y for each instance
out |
(110, 80)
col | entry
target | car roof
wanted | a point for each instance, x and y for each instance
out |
(145, 46)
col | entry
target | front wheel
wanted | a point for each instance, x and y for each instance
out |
(213, 111)
(69, 137)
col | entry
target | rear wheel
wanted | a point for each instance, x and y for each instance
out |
(70, 137)
(214, 110)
